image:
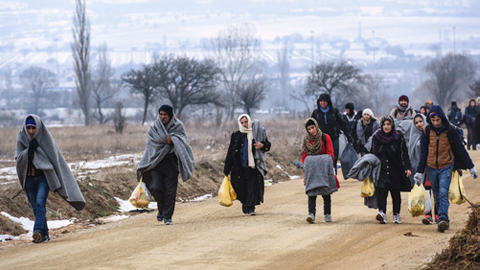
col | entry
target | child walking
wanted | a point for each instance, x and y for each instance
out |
(317, 156)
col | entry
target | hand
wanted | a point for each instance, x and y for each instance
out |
(32, 146)
(418, 177)
(258, 145)
(408, 173)
(474, 173)
(169, 140)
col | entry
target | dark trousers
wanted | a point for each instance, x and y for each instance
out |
(382, 199)
(336, 149)
(163, 185)
(254, 180)
(471, 137)
(327, 204)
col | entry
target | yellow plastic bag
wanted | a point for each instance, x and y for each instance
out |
(140, 197)
(456, 193)
(226, 193)
(416, 200)
(368, 188)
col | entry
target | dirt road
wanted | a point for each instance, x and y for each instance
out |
(206, 235)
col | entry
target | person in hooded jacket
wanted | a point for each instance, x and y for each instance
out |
(438, 155)
(470, 114)
(366, 127)
(389, 146)
(245, 161)
(455, 114)
(331, 122)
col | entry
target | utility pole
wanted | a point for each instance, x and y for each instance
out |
(454, 41)
(56, 56)
(373, 45)
(313, 55)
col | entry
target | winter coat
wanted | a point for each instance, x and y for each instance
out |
(470, 114)
(364, 133)
(395, 161)
(333, 122)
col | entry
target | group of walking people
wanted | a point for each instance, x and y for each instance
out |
(424, 151)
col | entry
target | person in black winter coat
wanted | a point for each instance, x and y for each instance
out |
(389, 146)
(331, 122)
(246, 162)
(470, 114)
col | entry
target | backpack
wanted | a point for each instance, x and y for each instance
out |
(455, 116)
(458, 165)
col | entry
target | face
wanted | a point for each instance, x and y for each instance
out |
(423, 111)
(419, 123)
(387, 126)
(472, 103)
(347, 110)
(436, 121)
(403, 103)
(367, 117)
(323, 104)
(244, 122)
(164, 117)
(312, 130)
(31, 131)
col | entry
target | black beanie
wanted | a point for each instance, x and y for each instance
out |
(310, 123)
(168, 109)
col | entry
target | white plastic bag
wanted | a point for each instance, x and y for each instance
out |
(428, 203)
(140, 197)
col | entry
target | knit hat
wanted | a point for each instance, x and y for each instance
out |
(310, 123)
(166, 108)
(403, 97)
(369, 112)
(429, 102)
(30, 122)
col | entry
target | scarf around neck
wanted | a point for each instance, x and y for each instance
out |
(249, 132)
(316, 147)
(325, 113)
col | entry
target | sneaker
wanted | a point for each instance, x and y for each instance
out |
(381, 217)
(311, 218)
(436, 219)
(37, 237)
(427, 220)
(159, 217)
(328, 218)
(397, 219)
(251, 213)
(442, 225)
(168, 221)
(46, 238)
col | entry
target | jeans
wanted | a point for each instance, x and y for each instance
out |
(440, 180)
(37, 191)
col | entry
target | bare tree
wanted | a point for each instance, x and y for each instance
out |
(145, 83)
(37, 80)
(235, 52)
(252, 93)
(185, 81)
(475, 87)
(449, 76)
(81, 57)
(375, 99)
(119, 118)
(284, 68)
(102, 89)
(338, 79)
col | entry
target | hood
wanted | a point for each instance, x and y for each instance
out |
(325, 97)
(350, 107)
(437, 110)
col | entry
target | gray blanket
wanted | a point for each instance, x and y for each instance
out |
(47, 157)
(157, 148)
(319, 177)
(366, 166)
(259, 135)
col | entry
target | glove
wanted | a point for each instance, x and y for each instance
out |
(418, 177)
(32, 146)
(474, 173)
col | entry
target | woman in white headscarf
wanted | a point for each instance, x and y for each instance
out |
(419, 121)
(245, 162)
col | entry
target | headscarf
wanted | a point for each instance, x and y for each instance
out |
(386, 138)
(316, 147)
(414, 142)
(249, 132)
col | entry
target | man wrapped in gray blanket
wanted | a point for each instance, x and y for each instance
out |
(167, 153)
